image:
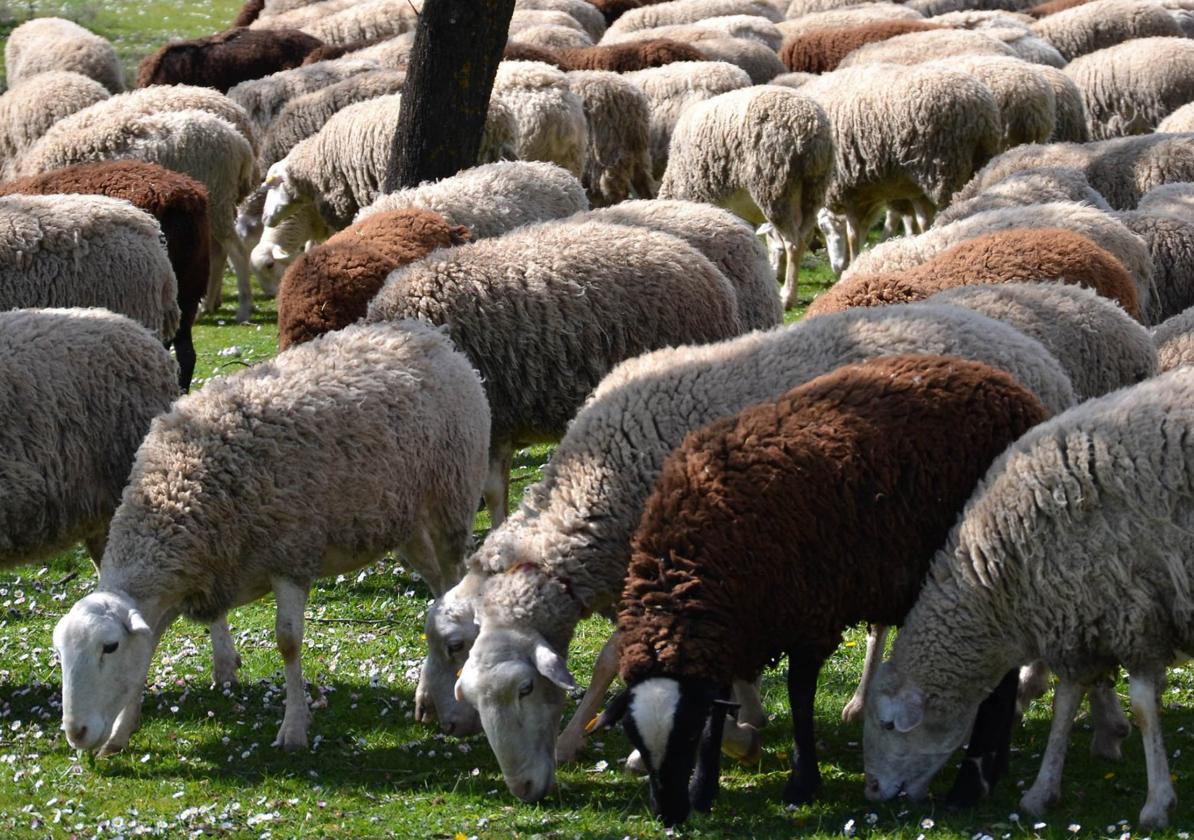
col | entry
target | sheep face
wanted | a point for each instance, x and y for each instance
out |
(451, 630)
(280, 197)
(516, 682)
(907, 736)
(833, 229)
(105, 646)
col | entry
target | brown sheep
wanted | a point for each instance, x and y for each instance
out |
(177, 201)
(226, 59)
(330, 286)
(617, 58)
(518, 51)
(1053, 7)
(329, 52)
(821, 50)
(611, 10)
(248, 13)
(1009, 256)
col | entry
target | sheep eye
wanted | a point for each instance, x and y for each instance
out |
(455, 647)
(887, 724)
(110, 647)
(526, 689)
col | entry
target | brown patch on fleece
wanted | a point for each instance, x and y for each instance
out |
(330, 286)
(248, 13)
(1053, 7)
(775, 530)
(821, 50)
(633, 55)
(518, 51)
(226, 59)
(1022, 255)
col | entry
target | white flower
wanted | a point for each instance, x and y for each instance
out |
(849, 828)
(927, 823)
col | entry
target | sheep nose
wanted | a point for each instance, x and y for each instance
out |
(872, 786)
(449, 727)
(76, 734)
(523, 790)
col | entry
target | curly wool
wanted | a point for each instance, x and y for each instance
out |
(1052, 7)
(1181, 120)
(292, 16)
(546, 311)
(625, 57)
(27, 110)
(750, 27)
(1008, 256)
(1070, 125)
(721, 236)
(62, 481)
(1170, 242)
(264, 98)
(1027, 103)
(820, 50)
(555, 37)
(1024, 188)
(1097, 25)
(1098, 344)
(1174, 340)
(919, 47)
(576, 523)
(347, 444)
(611, 10)
(86, 250)
(51, 43)
(226, 59)
(690, 11)
(330, 286)
(618, 118)
(584, 13)
(845, 531)
(1129, 88)
(549, 118)
(1175, 199)
(932, 8)
(759, 62)
(849, 17)
(366, 20)
(524, 19)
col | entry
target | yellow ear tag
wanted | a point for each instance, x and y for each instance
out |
(591, 725)
(458, 673)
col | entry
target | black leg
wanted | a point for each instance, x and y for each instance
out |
(184, 351)
(990, 744)
(705, 781)
(805, 779)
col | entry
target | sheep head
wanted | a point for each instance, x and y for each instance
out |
(451, 630)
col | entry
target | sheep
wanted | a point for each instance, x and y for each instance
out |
(365, 20)
(847, 17)
(178, 203)
(1122, 170)
(1170, 241)
(195, 143)
(1174, 340)
(305, 115)
(1100, 347)
(1023, 188)
(1104, 23)
(264, 98)
(932, 8)
(766, 153)
(1175, 199)
(1007, 256)
(1103, 229)
(187, 539)
(555, 37)
(618, 119)
(1070, 125)
(1052, 7)
(278, 8)
(671, 88)
(86, 250)
(1027, 103)
(250, 10)
(546, 311)
(1076, 538)
(900, 133)
(821, 50)
(918, 47)
(299, 17)
(1028, 46)
(62, 481)
(750, 27)
(1181, 120)
(52, 43)
(611, 10)
(759, 62)
(586, 14)
(845, 537)
(690, 11)
(549, 117)
(28, 109)
(392, 53)
(226, 59)
(625, 57)
(330, 286)
(1129, 88)
(801, 8)
(524, 19)
(575, 524)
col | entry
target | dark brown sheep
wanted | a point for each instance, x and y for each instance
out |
(518, 51)
(821, 50)
(330, 286)
(771, 532)
(327, 52)
(249, 12)
(177, 201)
(1053, 7)
(634, 55)
(1011, 256)
(611, 10)
(226, 59)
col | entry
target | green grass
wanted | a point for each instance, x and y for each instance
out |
(202, 764)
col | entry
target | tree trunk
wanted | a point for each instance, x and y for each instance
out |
(458, 44)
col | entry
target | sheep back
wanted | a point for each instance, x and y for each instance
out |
(821, 50)
(28, 109)
(1174, 340)
(226, 59)
(1170, 242)
(1087, 27)
(625, 57)
(1023, 188)
(51, 43)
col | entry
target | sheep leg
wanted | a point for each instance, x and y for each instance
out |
(224, 658)
(1111, 727)
(420, 551)
(788, 229)
(238, 258)
(497, 483)
(291, 598)
(1143, 689)
(805, 778)
(184, 351)
(641, 181)
(924, 212)
(604, 671)
(876, 639)
(750, 704)
(1047, 788)
(215, 279)
(989, 746)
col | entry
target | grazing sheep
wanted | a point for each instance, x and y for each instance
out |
(1070, 126)
(932, 8)
(392, 53)
(226, 59)
(575, 525)
(1174, 340)
(546, 311)
(586, 14)
(1104, 23)
(330, 286)
(1170, 241)
(619, 120)
(555, 37)
(847, 18)
(1027, 103)
(524, 19)
(549, 118)
(764, 152)
(821, 50)
(843, 535)
(299, 17)
(690, 11)
(188, 539)
(86, 250)
(1175, 199)
(759, 62)
(750, 27)
(51, 43)
(635, 55)
(1027, 46)
(62, 481)
(1129, 88)
(1181, 120)
(178, 203)
(611, 10)
(1024, 188)
(918, 47)
(263, 99)
(365, 20)
(27, 110)
(1078, 537)
(1007, 256)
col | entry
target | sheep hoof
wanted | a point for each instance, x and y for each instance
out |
(111, 748)
(969, 786)
(635, 764)
(749, 753)
(1156, 814)
(852, 711)
(1037, 802)
(801, 788)
(292, 737)
(243, 314)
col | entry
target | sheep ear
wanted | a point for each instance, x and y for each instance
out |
(137, 623)
(551, 665)
(908, 709)
(615, 710)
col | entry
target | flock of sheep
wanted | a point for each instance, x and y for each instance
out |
(980, 433)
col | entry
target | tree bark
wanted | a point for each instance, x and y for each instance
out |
(458, 44)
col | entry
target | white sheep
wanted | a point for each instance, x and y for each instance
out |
(549, 118)
(584, 13)
(263, 99)
(1027, 103)
(52, 43)
(28, 109)
(1174, 340)
(689, 11)
(618, 116)
(1103, 23)
(366, 20)
(1023, 188)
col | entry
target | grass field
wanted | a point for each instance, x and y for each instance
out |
(202, 764)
